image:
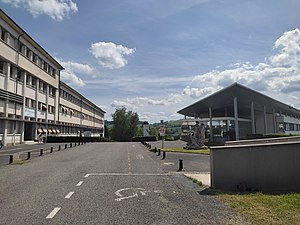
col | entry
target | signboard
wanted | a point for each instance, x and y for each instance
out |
(162, 131)
(29, 112)
(146, 130)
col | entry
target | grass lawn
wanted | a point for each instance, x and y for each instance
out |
(261, 208)
(200, 151)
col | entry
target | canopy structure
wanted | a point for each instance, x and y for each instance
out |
(239, 103)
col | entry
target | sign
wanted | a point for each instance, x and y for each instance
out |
(29, 112)
(162, 131)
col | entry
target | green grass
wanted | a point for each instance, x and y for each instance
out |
(200, 151)
(195, 181)
(261, 208)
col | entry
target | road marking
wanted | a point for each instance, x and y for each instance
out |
(53, 213)
(79, 183)
(87, 175)
(125, 174)
(134, 192)
(139, 156)
(70, 194)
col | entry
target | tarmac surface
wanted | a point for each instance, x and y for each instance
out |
(108, 183)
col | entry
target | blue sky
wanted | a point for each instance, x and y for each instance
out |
(155, 57)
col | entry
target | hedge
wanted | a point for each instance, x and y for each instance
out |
(142, 139)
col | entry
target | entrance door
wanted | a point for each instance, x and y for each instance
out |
(29, 132)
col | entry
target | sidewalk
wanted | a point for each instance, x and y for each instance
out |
(203, 177)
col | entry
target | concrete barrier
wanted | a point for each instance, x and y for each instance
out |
(257, 167)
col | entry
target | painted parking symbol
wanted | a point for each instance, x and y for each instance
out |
(127, 193)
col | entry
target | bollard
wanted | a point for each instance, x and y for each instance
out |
(164, 155)
(51, 149)
(11, 159)
(149, 146)
(180, 165)
(75, 144)
(66, 146)
(70, 145)
(58, 148)
(159, 151)
(155, 150)
(41, 152)
(28, 155)
(78, 143)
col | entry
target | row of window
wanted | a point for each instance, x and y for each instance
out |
(64, 94)
(68, 111)
(31, 81)
(289, 126)
(31, 103)
(24, 50)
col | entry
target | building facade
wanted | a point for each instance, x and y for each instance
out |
(31, 101)
(237, 112)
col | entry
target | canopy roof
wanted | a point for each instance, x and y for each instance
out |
(223, 99)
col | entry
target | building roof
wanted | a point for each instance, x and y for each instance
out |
(26, 36)
(224, 98)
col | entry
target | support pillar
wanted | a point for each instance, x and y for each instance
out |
(265, 120)
(236, 122)
(252, 118)
(274, 121)
(210, 125)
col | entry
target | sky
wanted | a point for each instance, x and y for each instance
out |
(155, 57)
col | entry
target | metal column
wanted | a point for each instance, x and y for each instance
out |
(252, 118)
(236, 122)
(210, 125)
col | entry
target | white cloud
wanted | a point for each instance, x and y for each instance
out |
(71, 78)
(110, 55)
(134, 103)
(56, 9)
(152, 116)
(70, 74)
(78, 67)
(279, 73)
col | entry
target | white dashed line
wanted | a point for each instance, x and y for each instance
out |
(79, 183)
(70, 194)
(87, 175)
(53, 213)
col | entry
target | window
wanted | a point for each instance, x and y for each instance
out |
(28, 53)
(13, 42)
(2, 67)
(12, 73)
(33, 103)
(33, 82)
(27, 102)
(20, 76)
(28, 79)
(3, 34)
(22, 48)
(51, 109)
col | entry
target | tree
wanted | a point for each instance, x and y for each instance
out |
(124, 124)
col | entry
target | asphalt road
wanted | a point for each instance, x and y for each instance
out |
(104, 183)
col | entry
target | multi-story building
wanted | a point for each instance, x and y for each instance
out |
(78, 115)
(31, 102)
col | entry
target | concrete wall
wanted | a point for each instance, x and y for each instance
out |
(263, 140)
(258, 167)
